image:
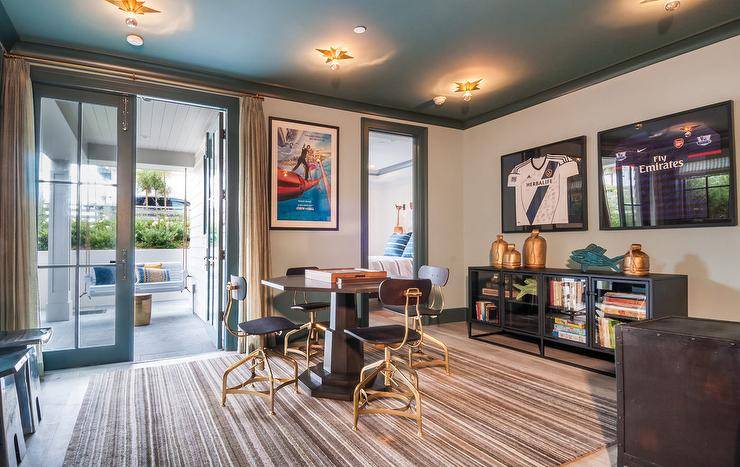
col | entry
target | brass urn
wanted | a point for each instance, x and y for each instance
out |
(636, 261)
(512, 258)
(498, 248)
(534, 251)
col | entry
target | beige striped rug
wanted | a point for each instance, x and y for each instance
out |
(497, 415)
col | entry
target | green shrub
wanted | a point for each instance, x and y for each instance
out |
(101, 235)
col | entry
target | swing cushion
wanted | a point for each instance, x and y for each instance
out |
(145, 274)
(175, 281)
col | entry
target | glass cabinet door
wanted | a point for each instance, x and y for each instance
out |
(521, 306)
(616, 301)
(566, 309)
(487, 293)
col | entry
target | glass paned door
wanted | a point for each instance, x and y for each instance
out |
(521, 310)
(85, 169)
(213, 225)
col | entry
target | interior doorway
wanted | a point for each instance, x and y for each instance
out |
(178, 229)
(394, 192)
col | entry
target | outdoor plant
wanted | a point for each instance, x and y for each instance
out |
(150, 181)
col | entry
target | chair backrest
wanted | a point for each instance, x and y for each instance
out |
(439, 277)
(237, 287)
(391, 291)
(299, 271)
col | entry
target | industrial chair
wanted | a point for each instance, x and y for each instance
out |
(257, 360)
(313, 347)
(432, 309)
(400, 380)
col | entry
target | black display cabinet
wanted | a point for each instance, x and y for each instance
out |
(566, 310)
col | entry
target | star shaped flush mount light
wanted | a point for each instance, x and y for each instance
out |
(334, 55)
(132, 8)
(467, 88)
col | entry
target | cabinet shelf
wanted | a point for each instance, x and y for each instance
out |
(535, 317)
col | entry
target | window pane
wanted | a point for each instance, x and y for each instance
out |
(57, 220)
(696, 203)
(719, 200)
(98, 306)
(56, 302)
(719, 180)
(696, 182)
(58, 140)
(97, 224)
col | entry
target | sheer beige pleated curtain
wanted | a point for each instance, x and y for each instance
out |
(18, 289)
(254, 212)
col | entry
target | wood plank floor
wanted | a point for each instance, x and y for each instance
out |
(63, 391)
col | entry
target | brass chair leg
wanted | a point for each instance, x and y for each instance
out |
(259, 360)
(399, 386)
(311, 349)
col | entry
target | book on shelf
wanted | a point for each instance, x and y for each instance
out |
(485, 311)
(580, 338)
(605, 332)
(628, 305)
(568, 294)
(492, 292)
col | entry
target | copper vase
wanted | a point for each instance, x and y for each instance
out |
(636, 261)
(498, 248)
(512, 258)
(534, 251)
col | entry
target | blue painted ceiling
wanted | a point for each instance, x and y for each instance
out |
(412, 50)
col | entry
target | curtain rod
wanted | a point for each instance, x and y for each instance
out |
(110, 72)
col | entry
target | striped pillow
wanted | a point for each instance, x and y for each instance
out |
(408, 252)
(396, 244)
(145, 275)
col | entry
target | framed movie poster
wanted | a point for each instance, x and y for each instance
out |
(672, 171)
(304, 175)
(545, 188)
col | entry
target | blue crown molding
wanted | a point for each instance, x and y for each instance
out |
(697, 41)
(8, 34)
(202, 77)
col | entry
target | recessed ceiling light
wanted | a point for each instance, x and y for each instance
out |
(135, 40)
(439, 100)
(360, 29)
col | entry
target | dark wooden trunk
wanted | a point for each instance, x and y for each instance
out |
(678, 389)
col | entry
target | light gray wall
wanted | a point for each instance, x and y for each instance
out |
(342, 248)
(710, 256)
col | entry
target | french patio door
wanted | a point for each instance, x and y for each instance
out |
(214, 215)
(85, 153)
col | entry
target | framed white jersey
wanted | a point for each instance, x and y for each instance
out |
(545, 187)
(541, 186)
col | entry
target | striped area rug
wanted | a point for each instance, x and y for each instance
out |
(492, 415)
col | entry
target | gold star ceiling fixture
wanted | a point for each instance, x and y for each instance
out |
(333, 55)
(132, 8)
(467, 88)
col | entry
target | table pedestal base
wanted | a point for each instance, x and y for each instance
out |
(316, 382)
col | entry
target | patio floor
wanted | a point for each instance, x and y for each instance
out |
(174, 331)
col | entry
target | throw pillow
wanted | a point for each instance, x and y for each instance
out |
(104, 275)
(408, 252)
(396, 244)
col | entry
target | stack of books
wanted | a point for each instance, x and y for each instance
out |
(568, 294)
(569, 330)
(628, 305)
(485, 311)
